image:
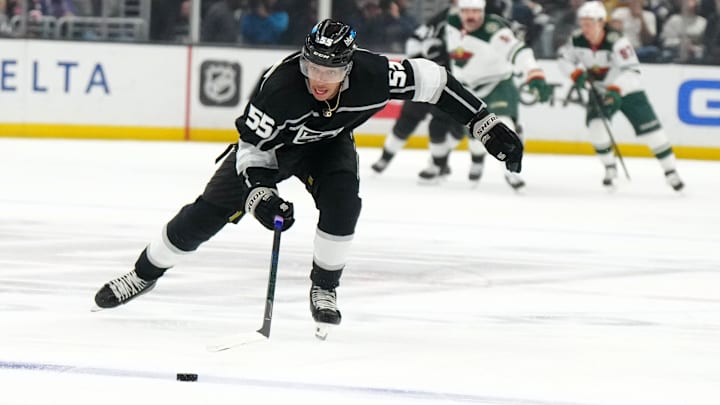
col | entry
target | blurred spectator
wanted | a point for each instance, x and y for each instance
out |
(525, 12)
(5, 29)
(683, 34)
(165, 15)
(59, 8)
(566, 23)
(639, 27)
(711, 12)
(264, 24)
(219, 24)
(389, 31)
(503, 8)
(302, 15)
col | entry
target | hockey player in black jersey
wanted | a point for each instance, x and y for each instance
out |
(299, 122)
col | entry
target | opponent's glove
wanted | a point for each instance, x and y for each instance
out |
(499, 140)
(611, 101)
(264, 204)
(579, 77)
(539, 86)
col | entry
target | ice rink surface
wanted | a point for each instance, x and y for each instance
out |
(566, 294)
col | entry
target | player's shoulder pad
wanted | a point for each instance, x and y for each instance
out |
(578, 39)
(612, 36)
(370, 65)
(494, 23)
(281, 75)
(454, 21)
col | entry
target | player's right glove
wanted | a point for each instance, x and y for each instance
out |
(499, 140)
(264, 203)
(579, 77)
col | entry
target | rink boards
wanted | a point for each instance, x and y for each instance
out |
(175, 92)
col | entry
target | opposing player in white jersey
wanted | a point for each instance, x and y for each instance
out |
(484, 55)
(601, 57)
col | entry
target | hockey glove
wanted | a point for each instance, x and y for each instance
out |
(539, 86)
(611, 102)
(264, 204)
(499, 140)
(579, 77)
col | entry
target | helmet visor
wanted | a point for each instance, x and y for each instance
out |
(324, 74)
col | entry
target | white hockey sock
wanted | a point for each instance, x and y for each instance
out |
(601, 142)
(163, 254)
(393, 144)
(658, 143)
(476, 147)
(439, 150)
(331, 251)
(451, 142)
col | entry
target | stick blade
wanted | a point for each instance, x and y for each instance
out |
(232, 341)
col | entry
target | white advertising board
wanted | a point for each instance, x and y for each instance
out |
(197, 92)
(53, 82)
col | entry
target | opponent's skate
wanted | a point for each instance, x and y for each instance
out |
(382, 163)
(380, 166)
(476, 168)
(434, 173)
(121, 290)
(673, 179)
(611, 175)
(476, 171)
(323, 306)
(514, 180)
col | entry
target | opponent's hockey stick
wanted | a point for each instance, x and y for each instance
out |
(595, 97)
(264, 331)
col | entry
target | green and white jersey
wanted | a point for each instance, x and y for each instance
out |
(483, 58)
(613, 62)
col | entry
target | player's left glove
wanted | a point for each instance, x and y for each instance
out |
(499, 140)
(611, 101)
(538, 85)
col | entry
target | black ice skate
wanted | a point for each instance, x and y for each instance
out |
(611, 175)
(434, 173)
(382, 163)
(673, 179)
(122, 290)
(323, 306)
(514, 180)
(476, 168)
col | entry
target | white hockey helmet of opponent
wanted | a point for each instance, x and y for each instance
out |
(592, 9)
(479, 4)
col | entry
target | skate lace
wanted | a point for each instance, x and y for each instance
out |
(127, 286)
(324, 299)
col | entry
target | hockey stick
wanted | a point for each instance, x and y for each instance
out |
(595, 96)
(246, 338)
(270, 296)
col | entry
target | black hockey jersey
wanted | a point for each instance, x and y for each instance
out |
(283, 113)
(428, 40)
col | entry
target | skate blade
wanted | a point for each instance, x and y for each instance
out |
(322, 330)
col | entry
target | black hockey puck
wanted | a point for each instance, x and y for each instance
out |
(187, 377)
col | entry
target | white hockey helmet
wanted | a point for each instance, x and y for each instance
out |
(480, 4)
(592, 9)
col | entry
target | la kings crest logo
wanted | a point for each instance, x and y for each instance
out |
(219, 83)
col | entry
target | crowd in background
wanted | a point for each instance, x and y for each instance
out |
(682, 31)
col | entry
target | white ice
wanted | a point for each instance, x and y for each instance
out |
(566, 294)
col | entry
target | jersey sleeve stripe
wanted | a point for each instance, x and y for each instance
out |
(430, 80)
